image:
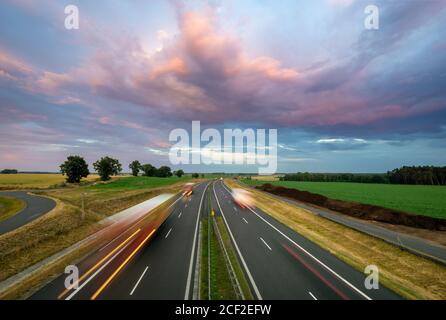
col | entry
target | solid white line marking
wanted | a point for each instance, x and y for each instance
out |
(96, 273)
(179, 216)
(309, 254)
(264, 242)
(245, 220)
(191, 263)
(312, 295)
(251, 279)
(139, 280)
(168, 233)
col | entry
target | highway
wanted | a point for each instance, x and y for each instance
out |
(35, 207)
(422, 247)
(284, 265)
(148, 263)
(132, 267)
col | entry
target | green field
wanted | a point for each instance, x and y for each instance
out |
(423, 200)
(10, 206)
(135, 183)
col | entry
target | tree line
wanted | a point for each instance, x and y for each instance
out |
(76, 168)
(427, 175)
(9, 171)
(417, 175)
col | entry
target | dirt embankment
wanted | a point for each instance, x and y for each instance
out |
(359, 210)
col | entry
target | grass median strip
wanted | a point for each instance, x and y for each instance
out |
(222, 277)
(215, 281)
(410, 276)
(244, 286)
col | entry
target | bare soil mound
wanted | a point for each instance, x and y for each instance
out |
(359, 210)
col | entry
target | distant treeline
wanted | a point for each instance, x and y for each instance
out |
(9, 171)
(418, 175)
(425, 175)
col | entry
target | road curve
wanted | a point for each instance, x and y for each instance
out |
(35, 207)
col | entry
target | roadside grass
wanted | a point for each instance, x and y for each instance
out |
(135, 183)
(111, 197)
(266, 178)
(215, 280)
(64, 225)
(35, 180)
(213, 261)
(10, 206)
(409, 275)
(422, 200)
(204, 264)
(234, 260)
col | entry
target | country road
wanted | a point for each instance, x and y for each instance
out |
(35, 207)
(145, 263)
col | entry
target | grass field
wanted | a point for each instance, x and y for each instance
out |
(34, 181)
(135, 183)
(10, 206)
(423, 200)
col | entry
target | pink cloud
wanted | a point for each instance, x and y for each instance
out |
(204, 73)
(13, 68)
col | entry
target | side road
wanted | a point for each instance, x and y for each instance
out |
(35, 207)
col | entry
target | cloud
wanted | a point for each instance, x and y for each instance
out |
(204, 72)
(387, 84)
(342, 143)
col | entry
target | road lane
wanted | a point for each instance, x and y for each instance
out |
(168, 258)
(411, 243)
(35, 207)
(288, 271)
(165, 258)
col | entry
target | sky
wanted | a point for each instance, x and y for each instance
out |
(343, 98)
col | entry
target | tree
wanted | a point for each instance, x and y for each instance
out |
(107, 167)
(179, 173)
(135, 166)
(9, 171)
(75, 168)
(149, 170)
(195, 175)
(164, 172)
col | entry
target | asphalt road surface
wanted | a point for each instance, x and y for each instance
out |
(35, 207)
(144, 263)
(416, 245)
(284, 265)
(163, 268)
